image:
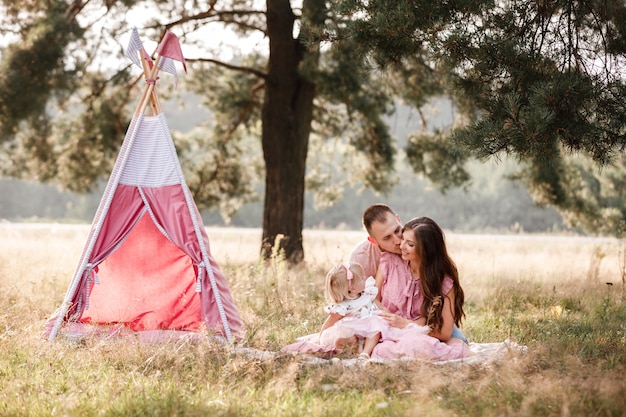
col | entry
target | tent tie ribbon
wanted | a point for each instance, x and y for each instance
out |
(91, 275)
(90, 269)
(201, 272)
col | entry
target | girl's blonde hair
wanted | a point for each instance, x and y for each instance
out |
(337, 286)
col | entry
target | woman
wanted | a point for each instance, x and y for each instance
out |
(422, 287)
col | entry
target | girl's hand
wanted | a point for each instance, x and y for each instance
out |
(394, 320)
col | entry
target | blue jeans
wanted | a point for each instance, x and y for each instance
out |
(458, 334)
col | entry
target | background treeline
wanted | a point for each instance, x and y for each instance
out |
(490, 204)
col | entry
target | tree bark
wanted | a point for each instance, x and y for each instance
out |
(287, 115)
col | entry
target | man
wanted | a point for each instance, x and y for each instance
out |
(384, 229)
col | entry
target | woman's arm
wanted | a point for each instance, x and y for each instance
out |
(330, 320)
(445, 333)
(398, 321)
(380, 305)
(380, 278)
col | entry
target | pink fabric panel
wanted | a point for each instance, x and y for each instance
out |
(170, 209)
(147, 284)
(122, 215)
(210, 308)
(124, 211)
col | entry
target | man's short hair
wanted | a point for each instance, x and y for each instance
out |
(375, 213)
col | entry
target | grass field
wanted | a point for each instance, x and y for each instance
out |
(561, 297)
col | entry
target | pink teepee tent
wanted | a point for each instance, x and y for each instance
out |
(147, 264)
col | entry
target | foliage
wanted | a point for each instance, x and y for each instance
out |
(36, 63)
(537, 81)
(67, 127)
(268, 95)
(594, 196)
(429, 154)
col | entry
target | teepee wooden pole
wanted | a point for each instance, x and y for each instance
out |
(148, 91)
(154, 98)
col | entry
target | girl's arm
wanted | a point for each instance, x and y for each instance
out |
(330, 320)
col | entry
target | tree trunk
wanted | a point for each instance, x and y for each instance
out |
(287, 115)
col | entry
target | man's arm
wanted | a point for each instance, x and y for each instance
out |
(367, 255)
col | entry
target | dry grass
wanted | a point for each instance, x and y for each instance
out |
(549, 294)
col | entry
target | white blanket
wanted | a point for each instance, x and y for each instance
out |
(482, 353)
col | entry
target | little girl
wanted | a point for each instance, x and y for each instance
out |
(353, 309)
(353, 316)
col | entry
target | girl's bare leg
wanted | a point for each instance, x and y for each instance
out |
(370, 344)
(348, 345)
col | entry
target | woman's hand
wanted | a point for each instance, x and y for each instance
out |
(394, 320)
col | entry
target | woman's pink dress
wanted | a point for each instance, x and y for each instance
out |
(401, 295)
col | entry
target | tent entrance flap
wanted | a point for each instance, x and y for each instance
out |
(147, 284)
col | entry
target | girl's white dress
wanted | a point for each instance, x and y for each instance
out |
(363, 306)
(360, 317)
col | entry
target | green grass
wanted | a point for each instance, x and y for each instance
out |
(551, 298)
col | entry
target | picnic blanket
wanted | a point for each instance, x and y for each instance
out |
(481, 353)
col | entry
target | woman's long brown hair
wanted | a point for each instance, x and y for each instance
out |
(435, 265)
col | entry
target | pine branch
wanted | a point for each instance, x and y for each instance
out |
(223, 16)
(249, 70)
(74, 9)
(247, 109)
